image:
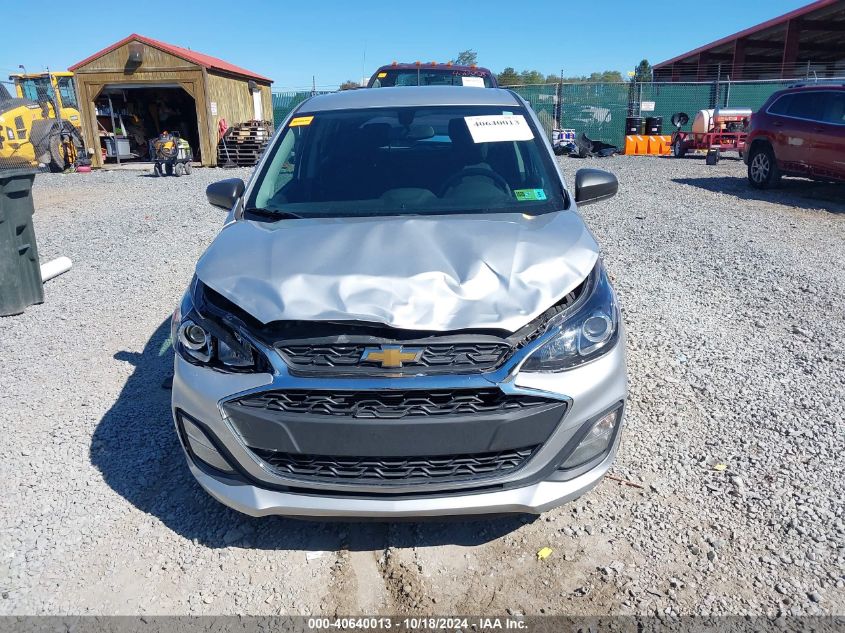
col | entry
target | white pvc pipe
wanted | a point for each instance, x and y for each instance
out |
(55, 267)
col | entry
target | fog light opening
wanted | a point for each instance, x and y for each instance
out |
(202, 448)
(596, 441)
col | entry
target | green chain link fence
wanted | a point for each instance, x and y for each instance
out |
(599, 109)
(285, 102)
(543, 100)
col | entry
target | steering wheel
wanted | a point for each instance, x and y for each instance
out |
(500, 182)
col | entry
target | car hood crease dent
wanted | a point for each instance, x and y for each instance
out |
(436, 273)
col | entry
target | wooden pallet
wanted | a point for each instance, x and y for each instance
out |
(245, 143)
(241, 157)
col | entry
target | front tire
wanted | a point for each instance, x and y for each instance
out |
(763, 172)
(678, 148)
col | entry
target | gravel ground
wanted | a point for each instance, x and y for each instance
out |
(733, 301)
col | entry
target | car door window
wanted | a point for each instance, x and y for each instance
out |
(807, 106)
(781, 106)
(283, 166)
(834, 108)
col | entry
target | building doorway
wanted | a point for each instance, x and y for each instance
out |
(130, 117)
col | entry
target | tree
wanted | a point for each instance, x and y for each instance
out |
(349, 84)
(508, 77)
(643, 72)
(532, 77)
(467, 57)
(607, 76)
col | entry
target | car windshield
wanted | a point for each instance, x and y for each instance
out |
(431, 77)
(408, 161)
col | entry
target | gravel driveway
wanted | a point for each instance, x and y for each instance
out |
(727, 496)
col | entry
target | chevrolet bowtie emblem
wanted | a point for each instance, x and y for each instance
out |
(391, 355)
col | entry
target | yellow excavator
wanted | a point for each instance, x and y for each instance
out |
(31, 132)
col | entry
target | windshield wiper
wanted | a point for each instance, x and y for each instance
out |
(269, 213)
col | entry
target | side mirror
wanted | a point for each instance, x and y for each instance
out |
(594, 185)
(225, 193)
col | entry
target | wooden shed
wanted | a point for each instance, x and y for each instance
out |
(134, 89)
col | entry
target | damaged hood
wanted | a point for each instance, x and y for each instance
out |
(435, 273)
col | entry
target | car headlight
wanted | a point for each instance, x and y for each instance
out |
(584, 332)
(205, 340)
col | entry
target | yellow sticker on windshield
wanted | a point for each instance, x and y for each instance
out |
(301, 120)
(381, 75)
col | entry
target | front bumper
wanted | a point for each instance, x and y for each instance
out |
(532, 499)
(589, 391)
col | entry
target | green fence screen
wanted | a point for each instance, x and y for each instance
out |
(285, 102)
(599, 109)
(543, 100)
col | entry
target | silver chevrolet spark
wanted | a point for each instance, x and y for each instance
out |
(403, 316)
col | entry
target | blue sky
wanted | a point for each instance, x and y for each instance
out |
(291, 41)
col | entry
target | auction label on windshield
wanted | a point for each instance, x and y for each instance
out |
(495, 128)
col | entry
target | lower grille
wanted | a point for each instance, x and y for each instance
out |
(396, 470)
(391, 404)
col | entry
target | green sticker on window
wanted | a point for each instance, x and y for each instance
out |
(524, 195)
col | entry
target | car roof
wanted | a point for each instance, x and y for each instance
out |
(429, 66)
(820, 85)
(410, 96)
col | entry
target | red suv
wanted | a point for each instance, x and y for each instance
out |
(799, 131)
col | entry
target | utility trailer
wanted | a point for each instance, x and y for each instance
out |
(713, 131)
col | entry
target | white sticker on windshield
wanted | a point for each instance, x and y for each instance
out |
(473, 82)
(497, 127)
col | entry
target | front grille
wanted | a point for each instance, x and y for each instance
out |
(335, 358)
(391, 404)
(396, 470)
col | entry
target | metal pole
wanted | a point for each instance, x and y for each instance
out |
(560, 101)
(363, 64)
(640, 98)
(718, 85)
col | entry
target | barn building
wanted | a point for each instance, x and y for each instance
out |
(807, 42)
(138, 87)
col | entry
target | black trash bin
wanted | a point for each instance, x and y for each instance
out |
(20, 270)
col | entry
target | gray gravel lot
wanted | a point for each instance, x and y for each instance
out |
(734, 444)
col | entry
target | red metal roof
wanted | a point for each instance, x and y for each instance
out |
(206, 61)
(813, 6)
